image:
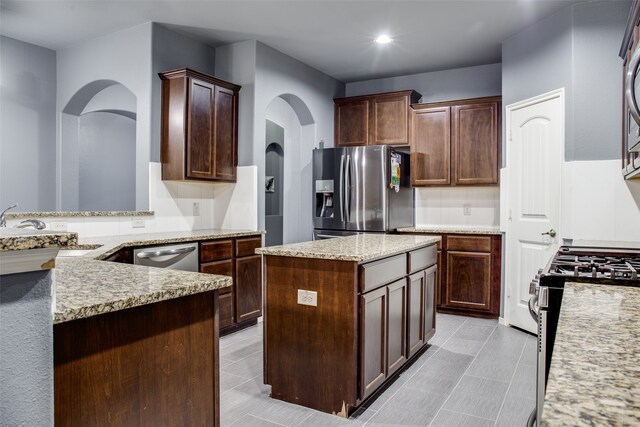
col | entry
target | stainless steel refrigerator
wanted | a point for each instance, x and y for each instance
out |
(360, 189)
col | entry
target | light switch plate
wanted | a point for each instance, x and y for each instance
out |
(137, 223)
(307, 297)
(466, 209)
(196, 208)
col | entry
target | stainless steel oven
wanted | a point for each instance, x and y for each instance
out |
(613, 266)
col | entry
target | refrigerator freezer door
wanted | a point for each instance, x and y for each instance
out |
(367, 181)
(329, 166)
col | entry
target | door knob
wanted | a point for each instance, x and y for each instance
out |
(551, 233)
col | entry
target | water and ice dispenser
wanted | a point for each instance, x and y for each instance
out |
(324, 198)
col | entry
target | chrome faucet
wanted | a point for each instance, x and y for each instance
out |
(35, 223)
(3, 220)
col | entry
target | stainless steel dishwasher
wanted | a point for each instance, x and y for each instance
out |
(177, 257)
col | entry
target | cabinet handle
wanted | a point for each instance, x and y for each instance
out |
(151, 254)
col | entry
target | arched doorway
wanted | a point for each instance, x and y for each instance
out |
(288, 115)
(98, 149)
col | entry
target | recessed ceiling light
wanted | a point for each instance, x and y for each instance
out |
(383, 39)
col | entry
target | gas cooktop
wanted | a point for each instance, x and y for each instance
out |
(609, 264)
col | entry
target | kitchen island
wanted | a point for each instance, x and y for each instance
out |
(344, 315)
(594, 374)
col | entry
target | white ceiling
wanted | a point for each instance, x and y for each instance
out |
(332, 36)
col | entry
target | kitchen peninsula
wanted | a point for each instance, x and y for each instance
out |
(344, 315)
(138, 345)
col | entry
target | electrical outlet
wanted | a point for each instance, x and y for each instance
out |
(196, 208)
(307, 298)
(466, 209)
(137, 223)
(58, 226)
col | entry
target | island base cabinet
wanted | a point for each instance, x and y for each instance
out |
(334, 353)
(310, 352)
(153, 365)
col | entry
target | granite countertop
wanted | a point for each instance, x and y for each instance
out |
(86, 287)
(19, 239)
(359, 248)
(107, 246)
(68, 214)
(450, 230)
(595, 375)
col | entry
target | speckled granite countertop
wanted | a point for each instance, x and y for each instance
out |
(360, 248)
(86, 287)
(18, 239)
(69, 214)
(451, 230)
(594, 378)
(112, 244)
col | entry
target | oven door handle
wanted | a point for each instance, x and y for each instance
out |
(532, 307)
(531, 421)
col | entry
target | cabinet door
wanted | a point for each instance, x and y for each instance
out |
(396, 325)
(390, 117)
(430, 279)
(475, 143)
(468, 280)
(373, 335)
(225, 141)
(416, 323)
(351, 123)
(225, 302)
(440, 282)
(200, 130)
(248, 288)
(431, 146)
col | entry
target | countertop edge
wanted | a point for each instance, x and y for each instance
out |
(445, 230)
(339, 257)
(140, 300)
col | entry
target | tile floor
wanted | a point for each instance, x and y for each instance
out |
(475, 373)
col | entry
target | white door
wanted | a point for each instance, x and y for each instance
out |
(535, 152)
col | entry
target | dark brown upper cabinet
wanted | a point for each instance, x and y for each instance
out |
(456, 142)
(381, 119)
(199, 127)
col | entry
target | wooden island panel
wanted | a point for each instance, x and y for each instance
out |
(153, 365)
(301, 341)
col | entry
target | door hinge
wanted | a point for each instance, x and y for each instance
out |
(510, 135)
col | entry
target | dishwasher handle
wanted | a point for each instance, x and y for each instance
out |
(165, 252)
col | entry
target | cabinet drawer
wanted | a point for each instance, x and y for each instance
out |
(216, 250)
(378, 273)
(469, 243)
(247, 247)
(422, 258)
(223, 268)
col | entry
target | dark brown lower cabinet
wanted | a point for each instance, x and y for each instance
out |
(369, 321)
(242, 305)
(469, 273)
(468, 280)
(153, 365)
(373, 340)
(248, 288)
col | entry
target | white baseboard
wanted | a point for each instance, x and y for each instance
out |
(502, 321)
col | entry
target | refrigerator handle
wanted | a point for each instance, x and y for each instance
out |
(347, 196)
(342, 187)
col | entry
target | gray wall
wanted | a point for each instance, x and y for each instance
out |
(266, 74)
(575, 48)
(598, 28)
(26, 349)
(105, 140)
(446, 85)
(27, 126)
(123, 57)
(237, 63)
(173, 50)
